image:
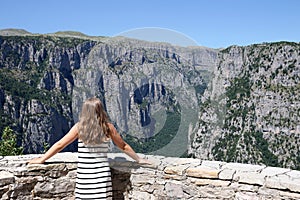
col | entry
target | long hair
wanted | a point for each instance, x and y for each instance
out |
(93, 127)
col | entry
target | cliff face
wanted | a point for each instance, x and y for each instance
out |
(146, 88)
(151, 91)
(238, 104)
(36, 86)
(251, 112)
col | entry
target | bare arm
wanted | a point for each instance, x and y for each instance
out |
(126, 148)
(58, 146)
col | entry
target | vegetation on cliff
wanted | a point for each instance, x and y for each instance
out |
(248, 97)
(260, 87)
(8, 143)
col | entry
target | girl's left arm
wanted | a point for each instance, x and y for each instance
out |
(58, 146)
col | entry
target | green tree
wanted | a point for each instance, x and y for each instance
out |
(8, 143)
(46, 146)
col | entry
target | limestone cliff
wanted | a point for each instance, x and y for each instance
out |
(250, 114)
(37, 85)
(146, 88)
(238, 104)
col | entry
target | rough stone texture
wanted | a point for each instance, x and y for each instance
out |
(167, 178)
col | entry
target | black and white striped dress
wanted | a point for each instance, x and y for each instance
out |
(93, 172)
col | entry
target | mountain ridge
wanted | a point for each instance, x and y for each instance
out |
(144, 85)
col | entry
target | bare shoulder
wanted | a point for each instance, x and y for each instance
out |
(75, 126)
(74, 129)
(112, 129)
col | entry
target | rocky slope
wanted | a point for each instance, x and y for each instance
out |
(146, 88)
(36, 86)
(251, 112)
(237, 104)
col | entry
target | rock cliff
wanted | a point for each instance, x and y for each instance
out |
(146, 88)
(250, 114)
(239, 104)
(37, 85)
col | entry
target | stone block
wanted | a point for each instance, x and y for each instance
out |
(160, 181)
(177, 170)
(23, 187)
(226, 174)
(142, 170)
(213, 182)
(252, 178)
(247, 195)
(137, 195)
(212, 164)
(72, 174)
(42, 189)
(6, 178)
(293, 185)
(268, 193)
(174, 190)
(71, 166)
(187, 161)
(46, 167)
(277, 182)
(289, 180)
(63, 185)
(174, 177)
(190, 189)
(141, 179)
(22, 171)
(56, 173)
(272, 171)
(29, 179)
(209, 192)
(155, 189)
(249, 188)
(202, 172)
(54, 187)
(155, 160)
(4, 190)
(66, 157)
(243, 167)
(294, 174)
(289, 195)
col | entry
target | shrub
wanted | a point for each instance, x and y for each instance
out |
(8, 143)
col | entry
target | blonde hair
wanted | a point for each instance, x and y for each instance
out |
(93, 122)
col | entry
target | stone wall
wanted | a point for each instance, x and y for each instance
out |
(167, 178)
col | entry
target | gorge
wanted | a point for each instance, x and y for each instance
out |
(238, 104)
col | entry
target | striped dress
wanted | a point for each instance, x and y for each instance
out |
(93, 172)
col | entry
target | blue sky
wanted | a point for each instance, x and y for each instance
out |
(210, 23)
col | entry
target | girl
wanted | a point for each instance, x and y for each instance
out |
(93, 132)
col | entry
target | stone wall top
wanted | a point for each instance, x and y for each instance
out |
(171, 170)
